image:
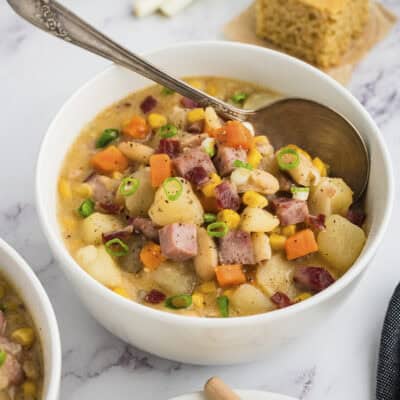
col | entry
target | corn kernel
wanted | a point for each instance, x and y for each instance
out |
(117, 175)
(254, 158)
(300, 150)
(208, 287)
(321, 166)
(24, 336)
(157, 120)
(277, 242)
(83, 190)
(208, 190)
(229, 292)
(261, 140)
(195, 115)
(212, 89)
(254, 199)
(196, 84)
(29, 389)
(121, 291)
(230, 217)
(198, 300)
(302, 297)
(289, 230)
(64, 189)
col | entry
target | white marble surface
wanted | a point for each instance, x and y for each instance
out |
(37, 74)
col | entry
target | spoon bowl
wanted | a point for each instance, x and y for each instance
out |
(316, 128)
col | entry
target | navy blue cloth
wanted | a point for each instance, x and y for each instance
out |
(388, 379)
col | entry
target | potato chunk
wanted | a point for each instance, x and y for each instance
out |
(186, 209)
(248, 300)
(96, 224)
(207, 256)
(100, 265)
(330, 196)
(305, 173)
(174, 278)
(138, 204)
(341, 242)
(276, 275)
(258, 220)
(261, 246)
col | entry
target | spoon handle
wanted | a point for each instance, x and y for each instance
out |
(54, 18)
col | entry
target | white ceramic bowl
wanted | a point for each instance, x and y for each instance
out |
(28, 287)
(196, 340)
(244, 394)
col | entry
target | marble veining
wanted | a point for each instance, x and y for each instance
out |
(338, 362)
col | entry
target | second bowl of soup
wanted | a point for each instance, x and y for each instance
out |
(200, 232)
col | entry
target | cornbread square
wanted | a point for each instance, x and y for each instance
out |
(319, 31)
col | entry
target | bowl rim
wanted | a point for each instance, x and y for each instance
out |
(67, 261)
(54, 373)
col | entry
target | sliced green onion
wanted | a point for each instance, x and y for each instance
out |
(209, 217)
(107, 137)
(168, 131)
(300, 193)
(217, 229)
(208, 145)
(3, 356)
(116, 248)
(179, 302)
(166, 92)
(173, 188)
(239, 97)
(292, 155)
(86, 208)
(242, 164)
(223, 306)
(129, 186)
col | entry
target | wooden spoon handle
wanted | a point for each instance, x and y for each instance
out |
(216, 389)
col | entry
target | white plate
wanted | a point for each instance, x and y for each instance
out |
(244, 394)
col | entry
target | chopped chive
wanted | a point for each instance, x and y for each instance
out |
(86, 208)
(300, 193)
(168, 131)
(167, 92)
(108, 136)
(239, 97)
(242, 164)
(129, 186)
(223, 306)
(3, 356)
(173, 188)
(116, 248)
(179, 302)
(209, 218)
(217, 229)
(288, 159)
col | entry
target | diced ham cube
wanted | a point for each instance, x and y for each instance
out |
(103, 188)
(191, 159)
(198, 176)
(178, 241)
(356, 216)
(225, 158)
(316, 222)
(188, 103)
(236, 248)
(146, 227)
(11, 372)
(148, 104)
(290, 211)
(281, 300)
(227, 196)
(196, 127)
(155, 297)
(314, 279)
(170, 147)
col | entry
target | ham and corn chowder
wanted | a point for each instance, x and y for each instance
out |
(166, 204)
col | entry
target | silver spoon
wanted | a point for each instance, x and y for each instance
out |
(310, 125)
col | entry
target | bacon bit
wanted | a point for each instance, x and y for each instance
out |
(170, 147)
(316, 223)
(148, 104)
(198, 176)
(356, 216)
(196, 127)
(108, 208)
(281, 300)
(155, 297)
(315, 279)
(188, 103)
(227, 196)
(120, 234)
